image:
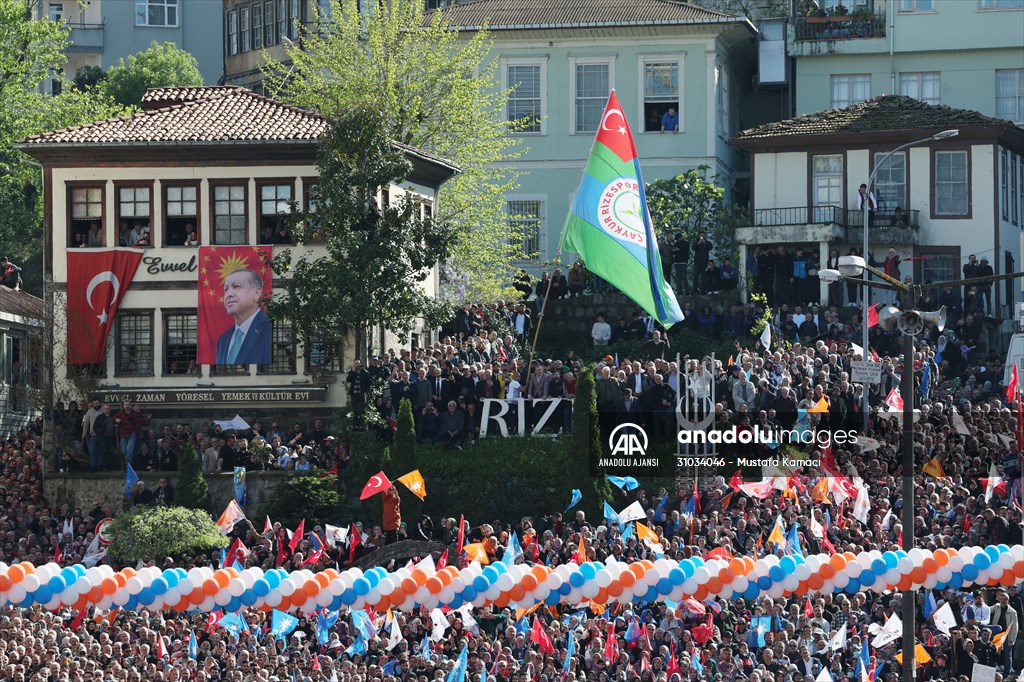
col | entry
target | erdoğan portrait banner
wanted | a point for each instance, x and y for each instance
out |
(234, 282)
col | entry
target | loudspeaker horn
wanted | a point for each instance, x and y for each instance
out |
(936, 318)
(887, 317)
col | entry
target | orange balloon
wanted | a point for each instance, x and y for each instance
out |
(5, 583)
(905, 583)
(930, 565)
(749, 562)
(95, 594)
(517, 593)
(109, 586)
(602, 596)
(221, 577)
(647, 563)
(420, 577)
(197, 596)
(801, 589)
(299, 597)
(16, 573)
(502, 600)
(827, 572)
(638, 570)
(540, 572)
(409, 586)
(128, 571)
(838, 562)
(738, 566)
(816, 581)
(120, 579)
(701, 594)
(210, 587)
(714, 586)
(183, 605)
(28, 567)
(322, 580)
(311, 588)
(615, 588)
(918, 575)
(83, 601)
(1007, 579)
(529, 582)
(727, 575)
(434, 585)
(330, 573)
(1018, 569)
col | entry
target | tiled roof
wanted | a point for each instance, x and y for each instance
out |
(20, 303)
(503, 14)
(214, 114)
(885, 113)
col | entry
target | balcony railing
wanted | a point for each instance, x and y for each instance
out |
(86, 37)
(823, 215)
(839, 27)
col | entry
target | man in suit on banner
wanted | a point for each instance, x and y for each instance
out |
(247, 341)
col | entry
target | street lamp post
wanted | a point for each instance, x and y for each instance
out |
(866, 303)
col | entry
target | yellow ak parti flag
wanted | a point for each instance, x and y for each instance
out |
(921, 656)
(999, 640)
(819, 493)
(232, 515)
(778, 535)
(645, 533)
(477, 552)
(819, 407)
(933, 468)
(415, 483)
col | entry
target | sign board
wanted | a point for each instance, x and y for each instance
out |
(983, 673)
(103, 530)
(865, 372)
(209, 396)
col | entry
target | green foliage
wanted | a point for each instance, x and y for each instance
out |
(372, 271)
(192, 491)
(151, 533)
(689, 204)
(89, 76)
(304, 496)
(441, 93)
(160, 65)
(779, 342)
(31, 52)
(404, 457)
(586, 445)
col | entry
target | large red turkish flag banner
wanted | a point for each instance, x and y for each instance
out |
(97, 283)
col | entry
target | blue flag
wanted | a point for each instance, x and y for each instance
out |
(570, 651)
(930, 606)
(358, 647)
(390, 667)
(522, 626)
(193, 647)
(363, 625)
(627, 532)
(695, 662)
(610, 514)
(690, 508)
(576, 497)
(425, 648)
(759, 625)
(514, 551)
(130, 479)
(659, 513)
(458, 673)
(793, 540)
(863, 661)
(241, 491)
(232, 622)
(282, 624)
(626, 483)
(633, 632)
(925, 377)
(324, 622)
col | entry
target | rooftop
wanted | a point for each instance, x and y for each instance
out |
(504, 15)
(20, 303)
(885, 113)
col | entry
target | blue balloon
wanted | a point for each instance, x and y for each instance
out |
(588, 571)
(27, 601)
(491, 573)
(348, 597)
(576, 579)
(261, 587)
(776, 574)
(853, 586)
(878, 567)
(469, 593)
(553, 598)
(372, 577)
(565, 589)
(132, 603)
(890, 560)
(159, 586)
(361, 586)
(146, 596)
(500, 568)
(956, 582)
(764, 583)
(752, 592)
(687, 567)
(697, 561)
(651, 596)
(273, 579)
(981, 562)
(456, 602)
(235, 604)
(69, 574)
(43, 594)
(787, 565)
(993, 553)
(480, 583)
(676, 576)
(664, 586)
(248, 598)
(336, 603)
(172, 578)
(940, 585)
(868, 578)
(56, 584)
(970, 572)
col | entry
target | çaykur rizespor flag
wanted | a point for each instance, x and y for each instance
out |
(609, 225)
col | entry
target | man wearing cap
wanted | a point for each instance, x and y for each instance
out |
(985, 289)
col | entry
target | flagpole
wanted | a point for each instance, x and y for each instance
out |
(547, 292)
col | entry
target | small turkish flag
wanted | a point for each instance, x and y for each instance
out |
(1011, 388)
(378, 483)
(872, 315)
(97, 283)
(894, 400)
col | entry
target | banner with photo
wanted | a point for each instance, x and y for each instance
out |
(234, 281)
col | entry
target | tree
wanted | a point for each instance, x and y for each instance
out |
(192, 491)
(372, 267)
(404, 457)
(160, 65)
(31, 53)
(441, 93)
(151, 533)
(307, 496)
(689, 204)
(89, 76)
(586, 442)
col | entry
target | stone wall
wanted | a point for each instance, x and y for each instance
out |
(85, 490)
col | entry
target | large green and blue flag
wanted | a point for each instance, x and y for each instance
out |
(610, 226)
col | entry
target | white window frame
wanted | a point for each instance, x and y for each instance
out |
(1004, 181)
(882, 164)
(850, 100)
(55, 11)
(967, 183)
(916, 6)
(723, 107)
(1000, 5)
(1015, 182)
(542, 228)
(1017, 74)
(918, 78)
(231, 48)
(166, 4)
(244, 38)
(677, 58)
(542, 62)
(609, 61)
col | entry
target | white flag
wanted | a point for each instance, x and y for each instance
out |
(862, 505)
(816, 528)
(890, 632)
(887, 520)
(959, 424)
(824, 675)
(440, 624)
(944, 619)
(396, 633)
(994, 479)
(857, 350)
(69, 530)
(633, 512)
(838, 640)
(336, 534)
(93, 553)
(766, 337)
(465, 612)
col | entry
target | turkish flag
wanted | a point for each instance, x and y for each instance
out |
(378, 483)
(894, 400)
(216, 263)
(872, 315)
(97, 283)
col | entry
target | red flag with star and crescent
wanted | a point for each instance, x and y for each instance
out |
(97, 283)
(219, 317)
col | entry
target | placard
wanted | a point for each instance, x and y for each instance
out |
(865, 372)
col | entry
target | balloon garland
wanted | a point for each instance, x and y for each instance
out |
(229, 590)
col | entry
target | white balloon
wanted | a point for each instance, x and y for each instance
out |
(689, 585)
(422, 594)
(222, 598)
(208, 603)
(590, 589)
(654, 575)
(554, 581)
(905, 565)
(542, 592)
(955, 563)
(865, 559)
(776, 591)
(458, 585)
(52, 605)
(790, 582)
(105, 603)
(387, 585)
(727, 592)
(447, 594)
(701, 574)
(184, 586)
(236, 588)
(740, 584)
(30, 582)
(323, 598)
(172, 595)
(995, 572)
(121, 597)
(492, 592)
(1006, 560)
(853, 569)
(604, 578)
(273, 599)
(916, 556)
(505, 582)
(287, 587)
(802, 572)
(841, 580)
(930, 582)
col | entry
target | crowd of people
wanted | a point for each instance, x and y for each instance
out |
(966, 425)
